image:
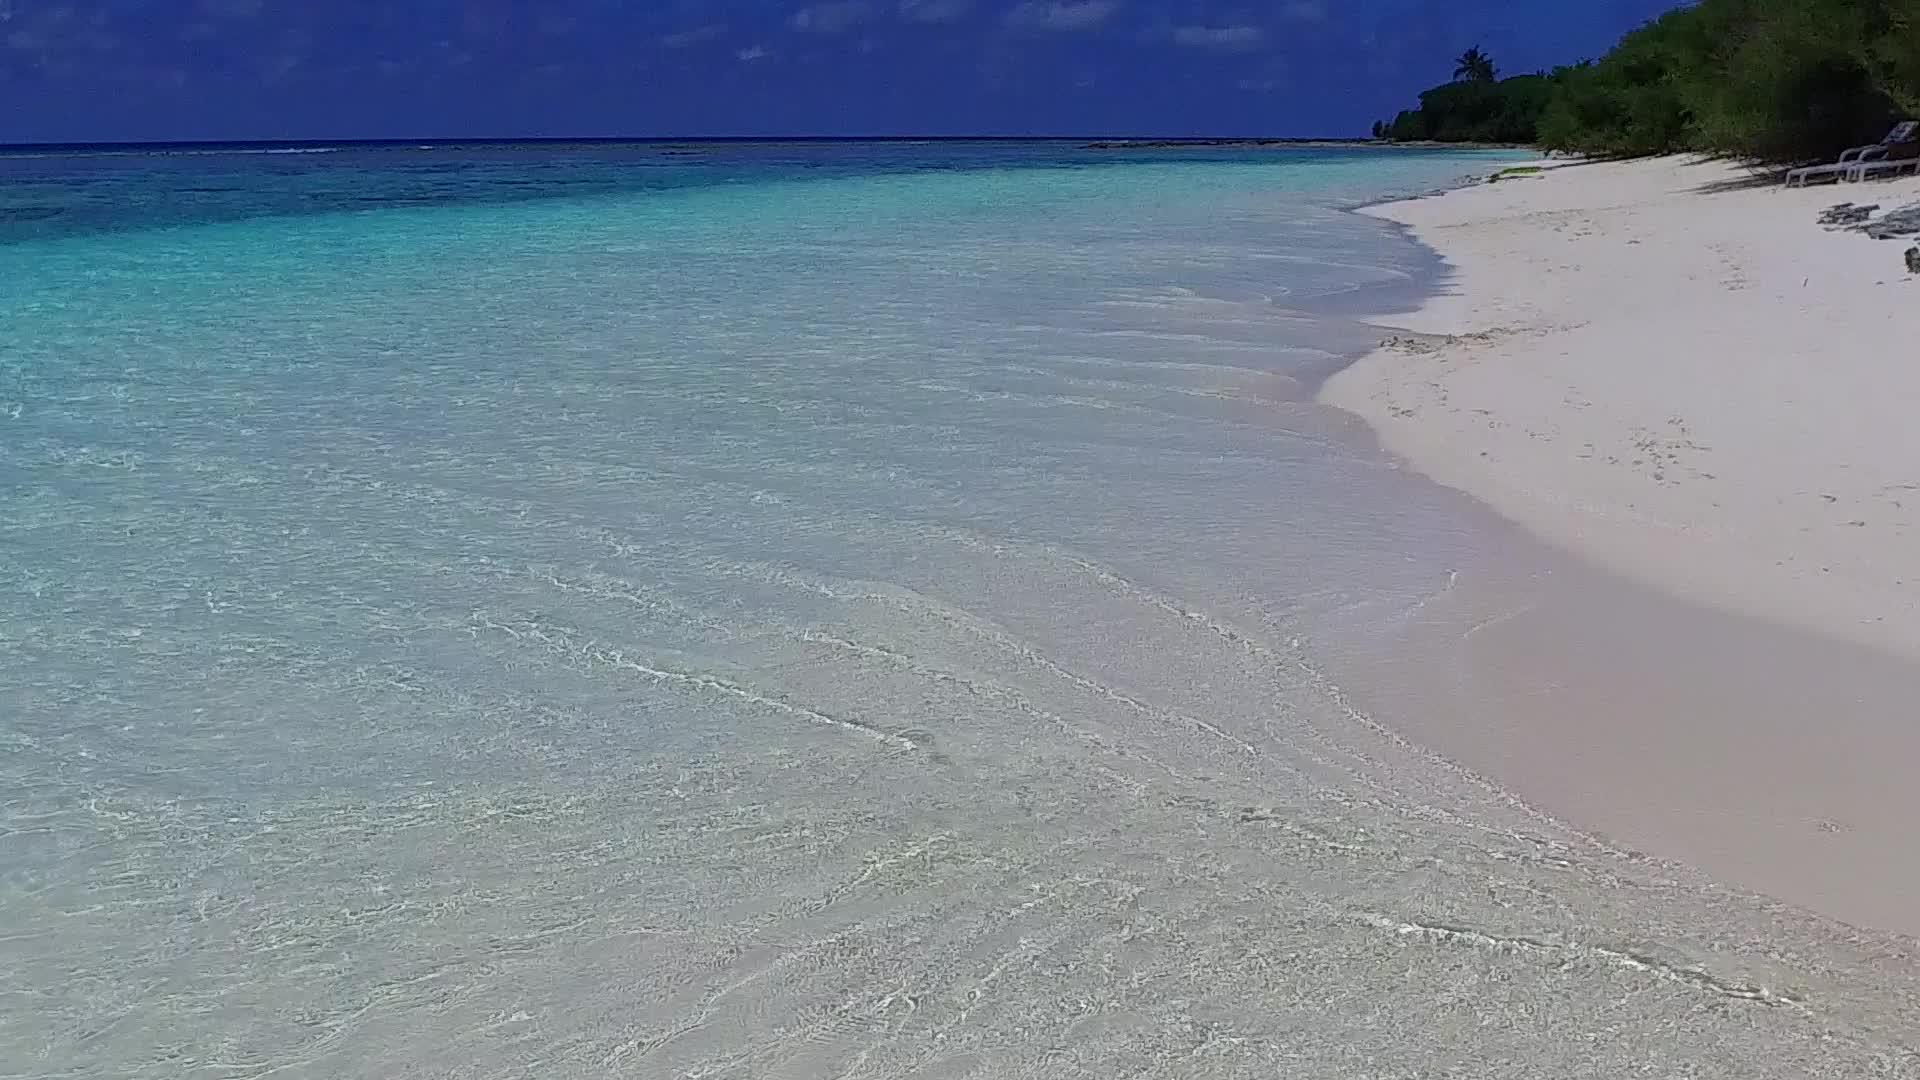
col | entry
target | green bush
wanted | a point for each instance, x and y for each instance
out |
(1893, 57)
(1629, 103)
(1473, 110)
(1790, 80)
(1770, 80)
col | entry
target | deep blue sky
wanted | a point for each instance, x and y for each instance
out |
(94, 70)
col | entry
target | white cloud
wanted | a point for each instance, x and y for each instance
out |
(935, 11)
(1061, 14)
(694, 36)
(1226, 38)
(1305, 10)
(751, 53)
(830, 17)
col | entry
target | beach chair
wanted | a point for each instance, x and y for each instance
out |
(1896, 161)
(1902, 135)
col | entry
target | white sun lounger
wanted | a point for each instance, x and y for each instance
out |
(1850, 160)
(1862, 170)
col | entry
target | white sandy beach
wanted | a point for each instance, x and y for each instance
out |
(1677, 373)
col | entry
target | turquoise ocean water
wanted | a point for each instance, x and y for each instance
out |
(743, 611)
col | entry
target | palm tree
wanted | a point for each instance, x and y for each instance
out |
(1474, 66)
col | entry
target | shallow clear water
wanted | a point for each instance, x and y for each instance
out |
(819, 611)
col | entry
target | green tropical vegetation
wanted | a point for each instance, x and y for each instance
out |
(1485, 110)
(1769, 80)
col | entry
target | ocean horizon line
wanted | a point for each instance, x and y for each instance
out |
(664, 140)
